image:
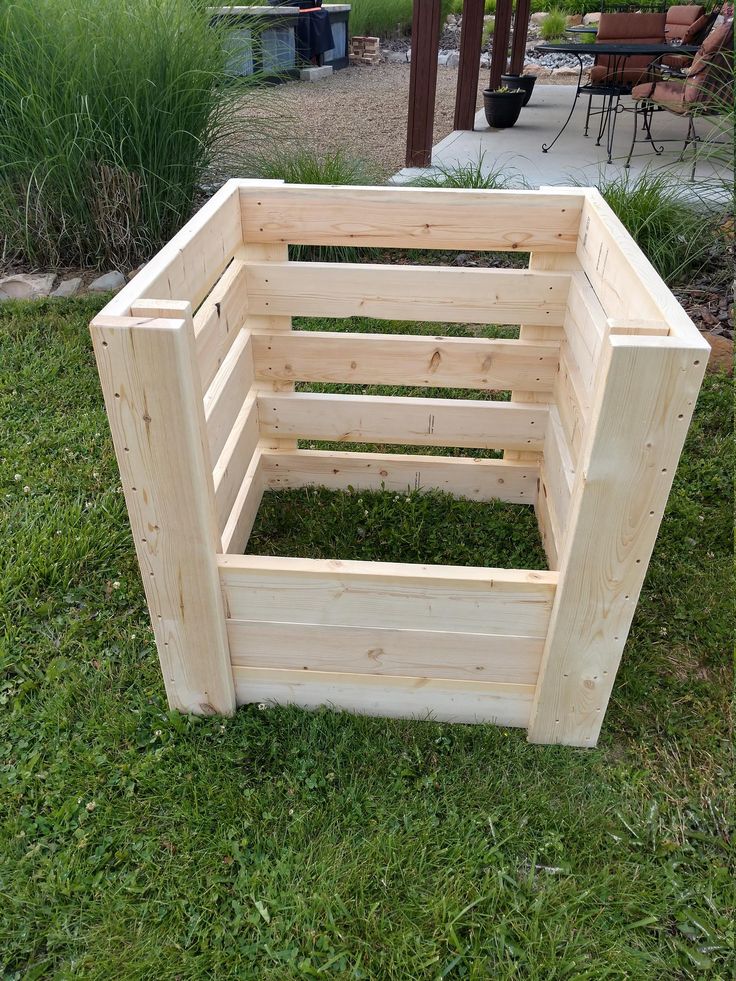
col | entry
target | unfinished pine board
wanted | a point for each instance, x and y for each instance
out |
(379, 650)
(187, 266)
(232, 465)
(421, 698)
(411, 218)
(475, 424)
(641, 416)
(389, 359)
(151, 388)
(429, 293)
(404, 596)
(475, 479)
(219, 319)
(226, 395)
(198, 365)
(239, 525)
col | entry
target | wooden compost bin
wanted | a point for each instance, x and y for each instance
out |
(198, 365)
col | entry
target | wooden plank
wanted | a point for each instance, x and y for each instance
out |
(399, 698)
(386, 359)
(151, 388)
(474, 424)
(412, 217)
(571, 401)
(237, 454)
(218, 320)
(557, 474)
(425, 35)
(429, 293)
(396, 595)
(466, 91)
(189, 264)
(478, 480)
(520, 34)
(225, 397)
(239, 525)
(377, 650)
(586, 328)
(644, 401)
(626, 282)
(547, 531)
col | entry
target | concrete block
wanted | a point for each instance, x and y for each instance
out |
(315, 73)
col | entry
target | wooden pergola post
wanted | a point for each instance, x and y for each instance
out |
(521, 33)
(469, 67)
(425, 42)
(500, 49)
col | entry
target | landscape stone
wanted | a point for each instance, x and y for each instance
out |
(26, 286)
(591, 18)
(67, 287)
(454, 60)
(109, 281)
(315, 73)
(537, 18)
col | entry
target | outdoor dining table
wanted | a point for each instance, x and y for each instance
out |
(618, 52)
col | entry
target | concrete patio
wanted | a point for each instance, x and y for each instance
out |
(574, 159)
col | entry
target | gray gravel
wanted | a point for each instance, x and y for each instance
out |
(361, 111)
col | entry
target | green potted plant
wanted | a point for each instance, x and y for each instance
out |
(502, 106)
(525, 82)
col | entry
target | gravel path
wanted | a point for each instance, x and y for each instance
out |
(361, 111)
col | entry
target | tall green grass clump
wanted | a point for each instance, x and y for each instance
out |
(677, 233)
(111, 114)
(553, 25)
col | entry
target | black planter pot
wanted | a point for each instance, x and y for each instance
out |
(525, 82)
(502, 108)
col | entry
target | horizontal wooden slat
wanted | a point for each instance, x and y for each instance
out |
(377, 650)
(395, 595)
(227, 393)
(218, 320)
(399, 698)
(478, 480)
(624, 279)
(188, 265)
(430, 293)
(475, 424)
(557, 476)
(412, 218)
(385, 359)
(238, 526)
(230, 469)
(572, 401)
(585, 329)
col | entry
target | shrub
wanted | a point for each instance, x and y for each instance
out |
(553, 25)
(676, 232)
(387, 18)
(111, 114)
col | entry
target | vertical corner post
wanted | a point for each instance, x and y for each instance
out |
(425, 40)
(153, 398)
(500, 47)
(521, 32)
(645, 393)
(471, 37)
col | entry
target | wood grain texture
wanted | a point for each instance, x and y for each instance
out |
(220, 318)
(421, 698)
(152, 395)
(627, 284)
(412, 217)
(395, 595)
(237, 454)
(188, 266)
(239, 525)
(476, 479)
(386, 359)
(226, 395)
(475, 424)
(646, 395)
(436, 294)
(378, 650)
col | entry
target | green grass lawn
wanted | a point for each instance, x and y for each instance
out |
(137, 843)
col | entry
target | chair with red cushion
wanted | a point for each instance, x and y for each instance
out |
(688, 24)
(707, 89)
(626, 29)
